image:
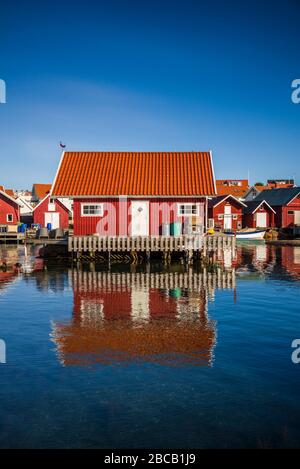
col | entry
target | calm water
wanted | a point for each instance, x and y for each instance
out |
(151, 358)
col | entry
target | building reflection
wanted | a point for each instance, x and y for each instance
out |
(7, 279)
(150, 317)
(290, 260)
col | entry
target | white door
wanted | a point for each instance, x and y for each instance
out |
(227, 218)
(139, 218)
(53, 218)
(297, 217)
(261, 220)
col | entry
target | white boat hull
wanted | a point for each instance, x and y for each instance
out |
(251, 235)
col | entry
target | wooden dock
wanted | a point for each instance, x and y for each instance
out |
(15, 238)
(149, 244)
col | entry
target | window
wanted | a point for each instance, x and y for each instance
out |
(51, 207)
(9, 217)
(211, 223)
(290, 212)
(92, 210)
(188, 209)
(234, 216)
(220, 216)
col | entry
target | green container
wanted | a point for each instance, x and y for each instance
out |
(176, 228)
(175, 293)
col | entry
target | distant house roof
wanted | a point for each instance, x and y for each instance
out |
(12, 199)
(221, 198)
(10, 192)
(134, 174)
(236, 187)
(41, 190)
(1, 188)
(253, 205)
(61, 201)
(276, 197)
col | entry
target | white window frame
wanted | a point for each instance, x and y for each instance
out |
(12, 218)
(221, 216)
(91, 214)
(179, 205)
(235, 216)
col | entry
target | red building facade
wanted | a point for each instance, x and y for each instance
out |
(259, 214)
(117, 215)
(53, 212)
(286, 203)
(9, 210)
(227, 213)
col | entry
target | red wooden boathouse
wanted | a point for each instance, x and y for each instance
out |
(53, 212)
(227, 212)
(259, 214)
(136, 193)
(9, 209)
(286, 203)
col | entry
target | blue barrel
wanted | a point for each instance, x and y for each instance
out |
(176, 228)
(49, 226)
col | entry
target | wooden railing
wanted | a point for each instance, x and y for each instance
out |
(90, 281)
(149, 243)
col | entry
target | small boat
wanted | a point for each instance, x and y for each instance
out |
(259, 234)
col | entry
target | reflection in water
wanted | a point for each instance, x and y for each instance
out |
(154, 317)
(7, 279)
(268, 260)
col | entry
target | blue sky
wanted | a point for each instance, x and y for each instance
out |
(150, 75)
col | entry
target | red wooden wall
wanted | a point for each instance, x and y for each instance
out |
(6, 207)
(39, 213)
(236, 209)
(250, 218)
(159, 208)
(287, 219)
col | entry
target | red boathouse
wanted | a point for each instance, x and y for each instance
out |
(136, 193)
(53, 212)
(226, 211)
(286, 204)
(9, 210)
(259, 214)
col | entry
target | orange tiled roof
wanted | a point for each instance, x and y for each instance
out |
(138, 173)
(1, 188)
(10, 192)
(41, 190)
(225, 188)
(261, 188)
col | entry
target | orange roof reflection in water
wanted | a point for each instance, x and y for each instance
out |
(115, 321)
